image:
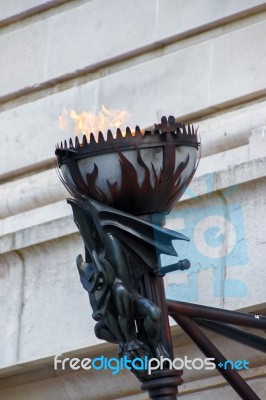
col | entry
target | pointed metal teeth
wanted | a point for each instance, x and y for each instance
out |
(118, 134)
(84, 140)
(100, 137)
(168, 126)
(109, 135)
(164, 120)
(171, 120)
(92, 139)
(77, 144)
(137, 131)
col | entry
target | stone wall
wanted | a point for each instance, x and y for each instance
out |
(202, 61)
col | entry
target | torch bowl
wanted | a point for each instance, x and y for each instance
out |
(137, 172)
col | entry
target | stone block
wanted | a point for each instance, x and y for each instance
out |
(257, 142)
(230, 129)
(11, 306)
(38, 391)
(176, 17)
(219, 393)
(31, 131)
(36, 226)
(12, 8)
(169, 84)
(56, 313)
(97, 32)
(30, 192)
(253, 203)
(239, 63)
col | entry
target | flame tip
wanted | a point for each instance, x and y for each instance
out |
(87, 122)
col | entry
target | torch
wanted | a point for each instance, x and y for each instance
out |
(122, 186)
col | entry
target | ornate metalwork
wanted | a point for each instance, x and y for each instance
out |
(121, 272)
(121, 257)
(173, 146)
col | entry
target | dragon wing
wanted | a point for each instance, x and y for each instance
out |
(134, 232)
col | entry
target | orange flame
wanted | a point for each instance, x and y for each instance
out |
(88, 122)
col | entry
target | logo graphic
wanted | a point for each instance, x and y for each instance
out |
(140, 364)
(217, 242)
(238, 364)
